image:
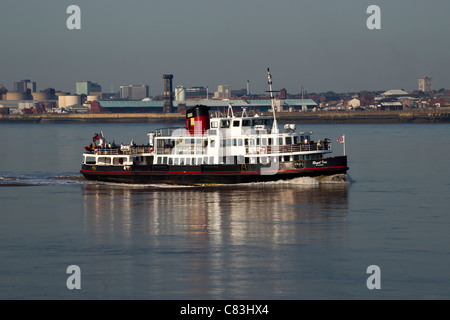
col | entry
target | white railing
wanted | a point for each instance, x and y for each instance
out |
(287, 148)
(120, 150)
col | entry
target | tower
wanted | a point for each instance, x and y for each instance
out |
(168, 95)
(426, 84)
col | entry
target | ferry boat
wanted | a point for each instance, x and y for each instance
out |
(217, 149)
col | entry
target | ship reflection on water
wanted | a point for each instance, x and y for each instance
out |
(209, 241)
(282, 213)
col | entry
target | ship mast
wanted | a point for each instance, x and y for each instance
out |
(272, 98)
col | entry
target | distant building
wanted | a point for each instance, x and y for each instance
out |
(354, 103)
(68, 101)
(223, 92)
(394, 93)
(168, 93)
(391, 103)
(23, 85)
(214, 105)
(134, 92)
(180, 94)
(88, 88)
(239, 93)
(426, 84)
(110, 95)
(197, 93)
(3, 92)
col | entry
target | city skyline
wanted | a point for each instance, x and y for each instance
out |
(321, 47)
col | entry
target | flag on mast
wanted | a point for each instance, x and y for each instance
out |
(341, 139)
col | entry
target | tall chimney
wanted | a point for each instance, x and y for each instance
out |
(168, 95)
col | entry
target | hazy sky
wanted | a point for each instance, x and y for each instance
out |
(322, 45)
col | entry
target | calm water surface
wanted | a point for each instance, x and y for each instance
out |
(302, 239)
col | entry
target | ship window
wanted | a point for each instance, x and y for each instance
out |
(246, 142)
(263, 159)
(270, 142)
(170, 161)
(240, 142)
(223, 143)
(286, 158)
(247, 123)
(104, 160)
(165, 160)
(225, 123)
(211, 160)
(228, 142)
(188, 161)
(258, 122)
(280, 141)
(264, 141)
(236, 123)
(176, 161)
(234, 142)
(288, 140)
(119, 161)
(257, 141)
(199, 161)
(159, 160)
(296, 157)
(295, 140)
(213, 143)
(89, 160)
(213, 124)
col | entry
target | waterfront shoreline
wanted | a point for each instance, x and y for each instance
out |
(440, 115)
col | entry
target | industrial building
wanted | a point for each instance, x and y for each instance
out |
(65, 101)
(168, 93)
(134, 92)
(24, 85)
(180, 94)
(88, 88)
